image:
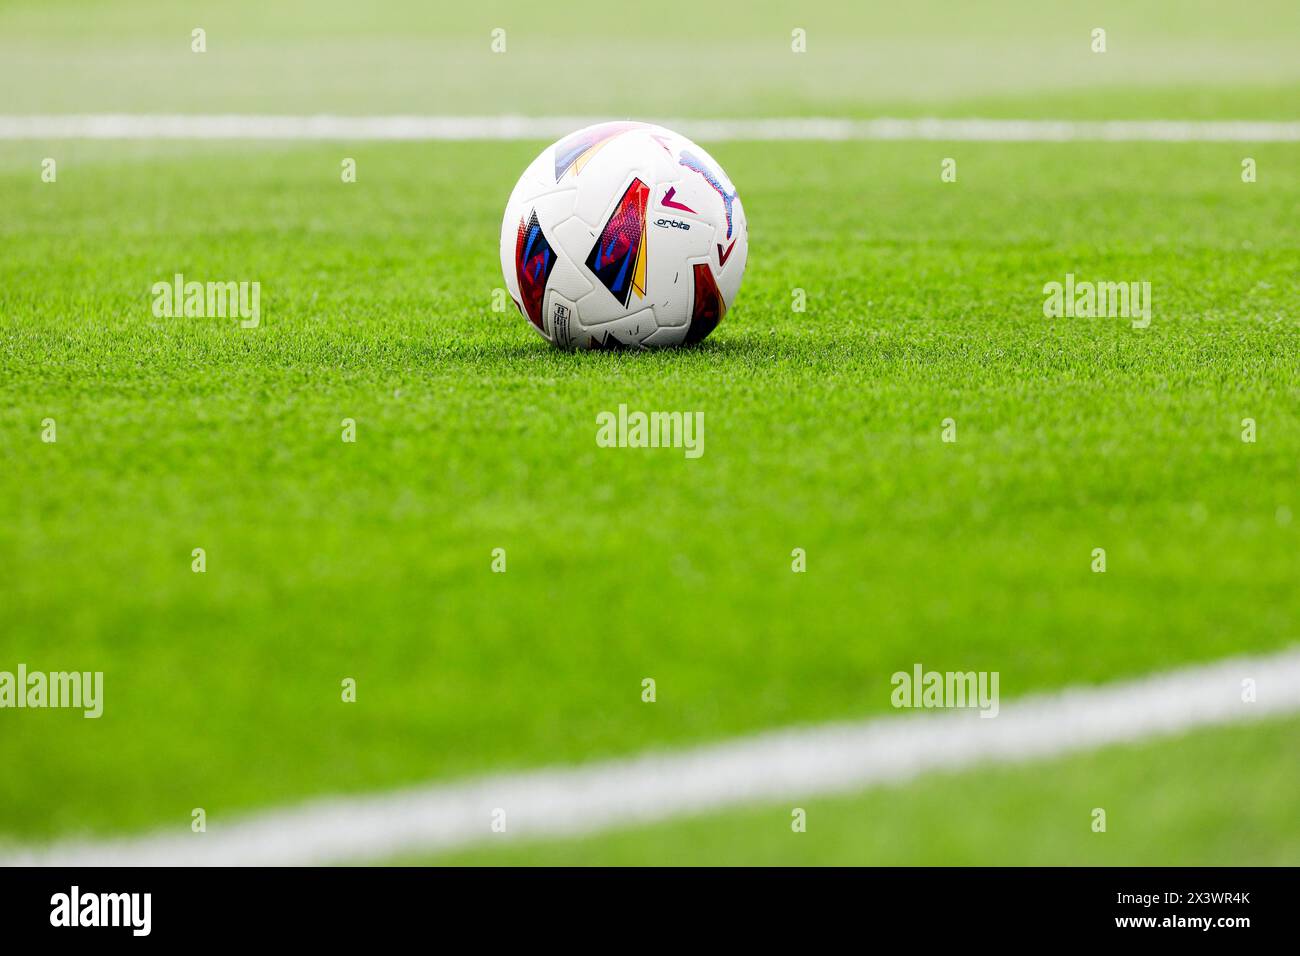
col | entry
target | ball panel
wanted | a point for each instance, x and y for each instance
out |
(534, 259)
(626, 331)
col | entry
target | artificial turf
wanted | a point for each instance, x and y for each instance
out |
(1214, 798)
(1013, 58)
(372, 560)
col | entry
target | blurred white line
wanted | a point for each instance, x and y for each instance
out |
(789, 765)
(130, 126)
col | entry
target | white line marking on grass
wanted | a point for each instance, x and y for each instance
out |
(793, 765)
(236, 126)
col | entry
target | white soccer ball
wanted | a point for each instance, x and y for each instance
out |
(624, 235)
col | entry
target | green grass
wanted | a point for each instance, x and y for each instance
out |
(1164, 58)
(371, 560)
(1214, 798)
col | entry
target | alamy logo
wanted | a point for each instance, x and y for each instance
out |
(945, 689)
(208, 300)
(1098, 300)
(72, 689)
(651, 430)
(102, 909)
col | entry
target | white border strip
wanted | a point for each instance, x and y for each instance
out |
(419, 128)
(794, 765)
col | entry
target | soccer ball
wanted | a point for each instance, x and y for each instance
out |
(624, 235)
